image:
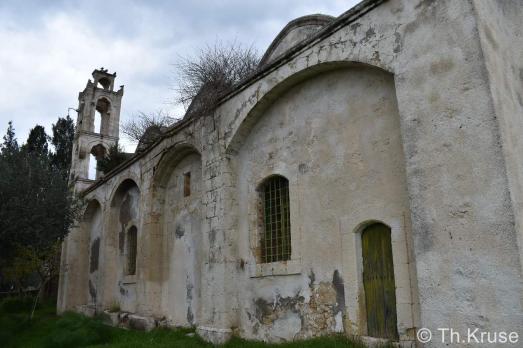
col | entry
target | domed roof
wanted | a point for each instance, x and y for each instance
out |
(295, 31)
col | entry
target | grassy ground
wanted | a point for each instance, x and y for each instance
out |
(71, 330)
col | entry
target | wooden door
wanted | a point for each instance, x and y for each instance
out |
(378, 282)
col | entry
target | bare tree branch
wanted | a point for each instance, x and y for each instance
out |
(202, 81)
(214, 72)
(145, 128)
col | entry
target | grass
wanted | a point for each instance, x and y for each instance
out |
(72, 330)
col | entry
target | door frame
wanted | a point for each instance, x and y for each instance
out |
(407, 303)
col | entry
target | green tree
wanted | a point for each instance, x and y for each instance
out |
(112, 159)
(10, 145)
(37, 142)
(62, 140)
(31, 261)
(36, 205)
(37, 209)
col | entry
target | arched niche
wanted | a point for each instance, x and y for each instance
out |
(124, 212)
(334, 132)
(91, 227)
(175, 237)
(241, 128)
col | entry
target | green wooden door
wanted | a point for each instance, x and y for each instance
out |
(378, 282)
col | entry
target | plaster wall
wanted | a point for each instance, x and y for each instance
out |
(336, 138)
(74, 264)
(500, 26)
(183, 255)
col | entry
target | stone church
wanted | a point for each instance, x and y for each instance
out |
(366, 180)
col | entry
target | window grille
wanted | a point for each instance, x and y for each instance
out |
(132, 245)
(276, 238)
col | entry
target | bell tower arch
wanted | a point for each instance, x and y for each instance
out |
(97, 126)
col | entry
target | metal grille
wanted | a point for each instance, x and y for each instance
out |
(276, 239)
(132, 245)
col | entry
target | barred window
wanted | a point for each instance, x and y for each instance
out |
(276, 236)
(132, 244)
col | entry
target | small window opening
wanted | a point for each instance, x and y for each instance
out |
(276, 236)
(187, 184)
(132, 245)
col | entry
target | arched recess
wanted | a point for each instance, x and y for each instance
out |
(245, 124)
(175, 237)
(334, 131)
(397, 228)
(88, 256)
(124, 212)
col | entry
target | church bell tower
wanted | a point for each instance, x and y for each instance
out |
(97, 126)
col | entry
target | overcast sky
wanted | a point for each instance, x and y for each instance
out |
(49, 48)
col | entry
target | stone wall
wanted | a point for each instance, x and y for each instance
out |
(397, 111)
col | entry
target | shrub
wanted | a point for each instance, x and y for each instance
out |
(14, 318)
(205, 78)
(17, 304)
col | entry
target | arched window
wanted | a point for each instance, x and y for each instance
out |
(97, 122)
(132, 245)
(104, 83)
(102, 115)
(276, 237)
(93, 163)
(97, 153)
